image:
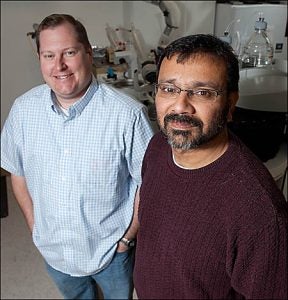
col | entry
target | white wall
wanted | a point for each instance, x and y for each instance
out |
(19, 63)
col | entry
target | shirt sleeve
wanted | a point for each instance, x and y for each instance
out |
(12, 142)
(137, 141)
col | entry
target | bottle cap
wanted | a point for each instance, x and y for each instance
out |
(226, 38)
(260, 24)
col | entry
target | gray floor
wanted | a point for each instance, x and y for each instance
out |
(23, 274)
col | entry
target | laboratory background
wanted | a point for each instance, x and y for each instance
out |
(127, 38)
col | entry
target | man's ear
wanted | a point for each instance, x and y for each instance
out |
(90, 52)
(232, 99)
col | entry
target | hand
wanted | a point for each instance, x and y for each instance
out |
(121, 247)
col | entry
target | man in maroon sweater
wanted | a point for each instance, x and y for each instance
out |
(213, 223)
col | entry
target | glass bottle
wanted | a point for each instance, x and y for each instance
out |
(258, 51)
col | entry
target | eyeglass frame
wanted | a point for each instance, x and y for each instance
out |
(189, 91)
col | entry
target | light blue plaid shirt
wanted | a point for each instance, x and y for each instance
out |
(82, 171)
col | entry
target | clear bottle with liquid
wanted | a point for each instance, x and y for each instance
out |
(258, 51)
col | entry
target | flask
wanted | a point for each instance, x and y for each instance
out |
(258, 51)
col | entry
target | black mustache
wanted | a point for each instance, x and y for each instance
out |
(182, 118)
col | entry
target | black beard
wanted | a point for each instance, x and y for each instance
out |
(183, 139)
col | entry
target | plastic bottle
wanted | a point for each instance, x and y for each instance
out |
(258, 51)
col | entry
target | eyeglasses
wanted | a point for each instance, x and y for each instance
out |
(169, 90)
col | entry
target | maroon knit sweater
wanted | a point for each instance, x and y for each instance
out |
(218, 232)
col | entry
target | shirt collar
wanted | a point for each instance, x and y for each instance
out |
(79, 105)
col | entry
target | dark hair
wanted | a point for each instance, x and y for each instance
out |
(55, 20)
(188, 46)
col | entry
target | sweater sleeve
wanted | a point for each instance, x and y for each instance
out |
(258, 261)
